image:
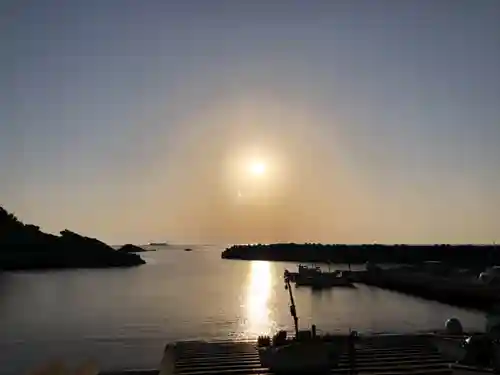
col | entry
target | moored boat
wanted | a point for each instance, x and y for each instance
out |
(303, 271)
(316, 278)
(324, 280)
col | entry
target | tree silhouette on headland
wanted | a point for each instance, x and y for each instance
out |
(25, 246)
(8, 220)
(467, 256)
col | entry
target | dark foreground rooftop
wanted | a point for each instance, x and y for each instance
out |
(387, 355)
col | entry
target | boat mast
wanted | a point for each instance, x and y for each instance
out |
(293, 311)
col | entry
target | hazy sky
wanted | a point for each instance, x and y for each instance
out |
(138, 120)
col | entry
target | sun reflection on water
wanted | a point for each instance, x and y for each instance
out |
(257, 309)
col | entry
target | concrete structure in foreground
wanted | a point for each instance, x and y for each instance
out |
(380, 355)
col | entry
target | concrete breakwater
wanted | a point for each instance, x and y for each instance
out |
(458, 291)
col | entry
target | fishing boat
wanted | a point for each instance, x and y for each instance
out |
(317, 279)
(303, 271)
(324, 280)
(307, 352)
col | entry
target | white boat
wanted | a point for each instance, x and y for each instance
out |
(318, 279)
(324, 280)
(303, 271)
(308, 270)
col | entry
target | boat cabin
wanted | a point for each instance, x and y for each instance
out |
(305, 269)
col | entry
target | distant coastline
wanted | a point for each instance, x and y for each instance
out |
(26, 247)
(158, 244)
(129, 248)
(459, 255)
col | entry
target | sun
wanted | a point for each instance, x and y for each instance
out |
(258, 168)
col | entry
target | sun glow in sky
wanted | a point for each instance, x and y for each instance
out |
(231, 121)
(258, 168)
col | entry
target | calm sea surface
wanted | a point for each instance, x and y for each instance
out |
(122, 318)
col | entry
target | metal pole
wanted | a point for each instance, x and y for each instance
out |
(293, 310)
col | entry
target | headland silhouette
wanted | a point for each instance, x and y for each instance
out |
(25, 246)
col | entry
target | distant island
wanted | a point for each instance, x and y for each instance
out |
(129, 248)
(25, 246)
(459, 255)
